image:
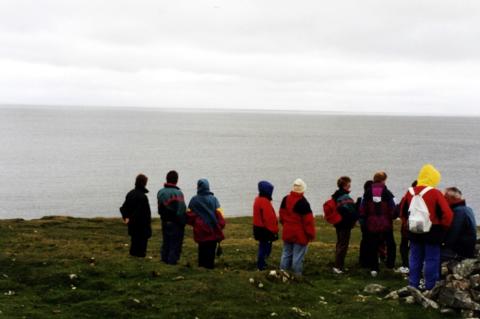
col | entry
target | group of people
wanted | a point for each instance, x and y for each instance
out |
(203, 213)
(436, 226)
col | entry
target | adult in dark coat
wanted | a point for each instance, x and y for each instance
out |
(136, 214)
(362, 256)
(377, 211)
(461, 238)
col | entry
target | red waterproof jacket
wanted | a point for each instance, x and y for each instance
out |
(264, 214)
(297, 219)
(441, 215)
(202, 232)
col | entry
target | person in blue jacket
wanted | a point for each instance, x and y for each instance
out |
(461, 238)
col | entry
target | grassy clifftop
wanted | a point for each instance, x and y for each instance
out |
(61, 267)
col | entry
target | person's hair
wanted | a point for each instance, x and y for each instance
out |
(367, 185)
(141, 180)
(414, 183)
(453, 192)
(343, 181)
(172, 177)
(379, 177)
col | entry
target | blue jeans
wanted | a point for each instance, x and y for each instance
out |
(172, 242)
(424, 257)
(264, 250)
(292, 257)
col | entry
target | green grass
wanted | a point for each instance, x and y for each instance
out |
(37, 257)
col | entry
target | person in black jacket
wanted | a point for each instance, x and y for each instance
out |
(136, 214)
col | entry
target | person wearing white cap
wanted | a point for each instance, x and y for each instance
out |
(298, 227)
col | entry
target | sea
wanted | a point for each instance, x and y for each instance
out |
(81, 162)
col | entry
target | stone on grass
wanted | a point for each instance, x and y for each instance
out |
(475, 281)
(421, 299)
(450, 297)
(374, 289)
(178, 278)
(301, 312)
(392, 295)
(466, 268)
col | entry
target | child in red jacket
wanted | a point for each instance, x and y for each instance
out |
(265, 224)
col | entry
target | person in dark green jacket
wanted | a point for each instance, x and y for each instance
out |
(171, 208)
(346, 208)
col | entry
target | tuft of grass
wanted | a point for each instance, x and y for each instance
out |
(37, 258)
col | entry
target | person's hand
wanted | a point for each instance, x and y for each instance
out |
(126, 220)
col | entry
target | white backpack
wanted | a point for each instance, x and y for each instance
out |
(419, 218)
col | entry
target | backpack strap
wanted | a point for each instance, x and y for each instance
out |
(411, 191)
(425, 190)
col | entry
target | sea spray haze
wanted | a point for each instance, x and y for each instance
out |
(81, 162)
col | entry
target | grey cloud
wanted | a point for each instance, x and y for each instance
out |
(353, 55)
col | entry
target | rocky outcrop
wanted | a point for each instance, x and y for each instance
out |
(458, 292)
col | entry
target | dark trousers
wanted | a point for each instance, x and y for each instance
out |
(374, 241)
(138, 246)
(264, 250)
(343, 239)
(362, 256)
(172, 234)
(404, 250)
(206, 254)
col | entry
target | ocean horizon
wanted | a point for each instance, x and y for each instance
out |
(81, 161)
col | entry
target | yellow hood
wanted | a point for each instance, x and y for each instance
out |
(429, 176)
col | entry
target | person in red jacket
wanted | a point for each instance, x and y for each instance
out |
(265, 223)
(206, 216)
(425, 247)
(298, 228)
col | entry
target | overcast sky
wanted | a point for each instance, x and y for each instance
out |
(407, 56)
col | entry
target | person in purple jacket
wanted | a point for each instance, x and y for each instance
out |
(377, 211)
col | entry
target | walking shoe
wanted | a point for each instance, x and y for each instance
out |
(421, 286)
(402, 270)
(374, 273)
(337, 271)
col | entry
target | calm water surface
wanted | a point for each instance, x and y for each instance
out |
(81, 162)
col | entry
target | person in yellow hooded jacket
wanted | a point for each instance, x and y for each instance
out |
(425, 247)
